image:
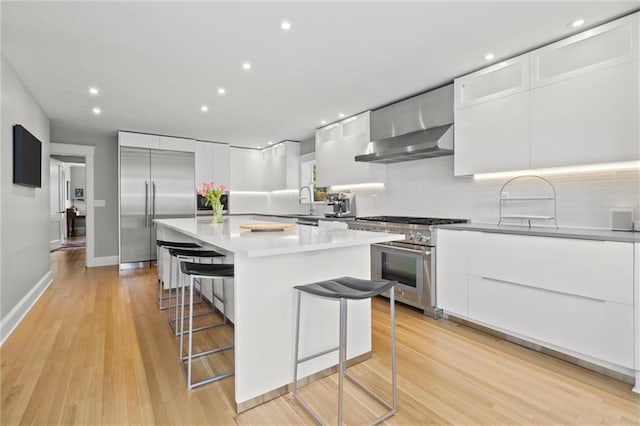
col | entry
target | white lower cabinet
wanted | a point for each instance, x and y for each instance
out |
(571, 295)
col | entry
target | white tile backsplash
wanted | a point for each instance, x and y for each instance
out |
(428, 188)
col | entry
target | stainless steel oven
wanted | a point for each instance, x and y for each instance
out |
(408, 264)
(202, 203)
(410, 260)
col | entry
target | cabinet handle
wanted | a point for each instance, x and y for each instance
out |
(146, 204)
(593, 299)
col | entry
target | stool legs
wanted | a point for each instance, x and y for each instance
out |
(342, 363)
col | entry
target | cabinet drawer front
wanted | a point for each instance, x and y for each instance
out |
(598, 329)
(604, 46)
(596, 269)
(505, 78)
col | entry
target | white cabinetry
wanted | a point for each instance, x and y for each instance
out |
(143, 140)
(576, 101)
(246, 169)
(280, 166)
(336, 148)
(546, 290)
(212, 163)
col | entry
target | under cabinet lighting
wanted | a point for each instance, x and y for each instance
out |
(285, 191)
(587, 168)
(577, 23)
(358, 187)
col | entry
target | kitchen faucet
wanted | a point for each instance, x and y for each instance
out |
(300, 198)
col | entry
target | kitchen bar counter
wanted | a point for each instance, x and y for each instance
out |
(576, 233)
(267, 267)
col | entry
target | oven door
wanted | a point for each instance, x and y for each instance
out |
(409, 265)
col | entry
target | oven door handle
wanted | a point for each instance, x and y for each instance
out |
(408, 250)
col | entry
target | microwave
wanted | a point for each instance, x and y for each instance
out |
(224, 199)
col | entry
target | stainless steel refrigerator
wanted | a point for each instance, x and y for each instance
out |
(154, 184)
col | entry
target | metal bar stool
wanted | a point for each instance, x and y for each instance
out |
(209, 271)
(166, 245)
(184, 254)
(344, 289)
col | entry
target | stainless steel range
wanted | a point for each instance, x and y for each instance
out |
(408, 261)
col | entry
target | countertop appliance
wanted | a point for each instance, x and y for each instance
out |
(154, 184)
(412, 129)
(344, 204)
(410, 260)
(202, 203)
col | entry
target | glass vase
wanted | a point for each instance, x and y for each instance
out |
(217, 211)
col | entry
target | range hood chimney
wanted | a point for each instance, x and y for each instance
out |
(416, 128)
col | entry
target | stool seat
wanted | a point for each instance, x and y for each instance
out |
(347, 288)
(176, 244)
(207, 269)
(194, 253)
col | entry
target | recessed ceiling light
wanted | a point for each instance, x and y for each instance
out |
(270, 142)
(577, 23)
(96, 111)
(204, 108)
(246, 66)
(258, 147)
(93, 91)
(221, 90)
(341, 115)
(489, 56)
(323, 122)
(285, 25)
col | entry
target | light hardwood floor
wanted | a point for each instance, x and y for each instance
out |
(96, 350)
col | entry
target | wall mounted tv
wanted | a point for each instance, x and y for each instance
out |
(27, 158)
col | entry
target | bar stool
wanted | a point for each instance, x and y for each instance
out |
(344, 289)
(166, 245)
(201, 271)
(185, 254)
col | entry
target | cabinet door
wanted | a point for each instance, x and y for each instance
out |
(138, 140)
(452, 270)
(176, 144)
(292, 165)
(327, 150)
(608, 45)
(592, 118)
(492, 136)
(503, 79)
(204, 157)
(221, 161)
(252, 169)
(237, 168)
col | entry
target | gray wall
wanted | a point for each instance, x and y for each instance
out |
(308, 145)
(25, 211)
(105, 182)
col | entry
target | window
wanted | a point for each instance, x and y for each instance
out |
(308, 178)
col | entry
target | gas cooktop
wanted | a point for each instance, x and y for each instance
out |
(410, 220)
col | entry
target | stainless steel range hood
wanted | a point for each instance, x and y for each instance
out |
(416, 128)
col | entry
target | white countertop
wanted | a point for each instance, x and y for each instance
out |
(577, 233)
(228, 236)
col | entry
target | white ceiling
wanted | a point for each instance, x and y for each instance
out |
(158, 62)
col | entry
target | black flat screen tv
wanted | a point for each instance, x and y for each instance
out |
(27, 158)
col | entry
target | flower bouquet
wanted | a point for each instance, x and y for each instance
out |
(212, 194)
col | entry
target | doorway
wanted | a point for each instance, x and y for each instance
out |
(77, 195)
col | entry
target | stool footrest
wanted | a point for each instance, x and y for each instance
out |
(212, 379)
(314, 356)
(209, 352)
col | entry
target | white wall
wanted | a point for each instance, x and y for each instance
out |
(25, 211)
(428, 188)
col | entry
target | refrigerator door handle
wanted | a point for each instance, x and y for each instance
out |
(146, 204)
(153, 203)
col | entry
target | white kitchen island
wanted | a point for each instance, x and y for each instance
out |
(267, 267)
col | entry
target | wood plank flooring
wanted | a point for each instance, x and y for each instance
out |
(96, 350)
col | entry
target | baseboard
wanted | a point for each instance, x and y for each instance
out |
(103, 261)
(9, 323)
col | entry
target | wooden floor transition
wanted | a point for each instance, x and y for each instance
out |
(96, 350)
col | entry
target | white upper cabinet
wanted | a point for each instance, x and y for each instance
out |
(576, 101)
(142, 140)
(497, 81)
(492, 136)
(336, 148)
(212, 163)
(236, 174)
(605, 46)
(280, 165)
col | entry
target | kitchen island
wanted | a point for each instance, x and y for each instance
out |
(267, 267)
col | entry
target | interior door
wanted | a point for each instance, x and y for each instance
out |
(56, 204)
(173, 192)
(135, 193)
